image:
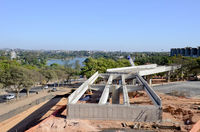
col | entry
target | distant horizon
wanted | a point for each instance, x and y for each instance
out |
(114, 25)
(75, 50)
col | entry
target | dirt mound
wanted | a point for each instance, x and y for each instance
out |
(180, 113)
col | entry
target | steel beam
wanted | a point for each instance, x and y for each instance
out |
(105, 94)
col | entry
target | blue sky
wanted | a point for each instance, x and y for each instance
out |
(126, 25)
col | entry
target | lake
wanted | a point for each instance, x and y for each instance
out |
(70, 61)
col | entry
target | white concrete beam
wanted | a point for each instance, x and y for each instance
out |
(125, 96)
(131, 68)
(76, 95)
(105, 94)
(123, 80)
(125, 92)
(153, 96)
(157, 70)
(130, 88)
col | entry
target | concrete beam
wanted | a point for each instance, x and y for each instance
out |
(158, 70)
(76, 95)
(168, 76)
(130, 88)
(115, 75)
(105, 94)
(153, 96)
(125, 92)
(125, 96)
(131, 68)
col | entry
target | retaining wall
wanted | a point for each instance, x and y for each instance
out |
(137, 113)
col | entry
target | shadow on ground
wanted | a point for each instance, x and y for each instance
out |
(34, 118)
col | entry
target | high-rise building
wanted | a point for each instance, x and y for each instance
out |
(187, 51)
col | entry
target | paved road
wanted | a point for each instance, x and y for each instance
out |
(188, 88)
(22, 93)
(34, 90)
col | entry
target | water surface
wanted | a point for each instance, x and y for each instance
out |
(69, 61)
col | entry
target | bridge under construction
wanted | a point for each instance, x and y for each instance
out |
(112, 84)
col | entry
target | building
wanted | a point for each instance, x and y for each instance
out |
(187, 51)
(13, 55)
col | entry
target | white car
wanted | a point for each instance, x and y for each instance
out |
(9, 96)
(45, 87)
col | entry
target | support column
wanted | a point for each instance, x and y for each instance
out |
(105, 94)
(134, 81)
(149, 80)
(115, 95)
(168, 76)
(125, 92)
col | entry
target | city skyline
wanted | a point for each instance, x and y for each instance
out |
(133, 26)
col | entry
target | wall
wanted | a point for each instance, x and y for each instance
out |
(137, 113)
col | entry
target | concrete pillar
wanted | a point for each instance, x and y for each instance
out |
(115, 94)
(134, 81)
(149, 80)
(125, 91)
(168, 76)
(105, 94)
(125, 95)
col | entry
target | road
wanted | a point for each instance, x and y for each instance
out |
(34, 90)
(187, 89)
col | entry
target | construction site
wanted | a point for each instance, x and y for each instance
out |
(122, 99)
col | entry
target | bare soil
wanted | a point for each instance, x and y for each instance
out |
(179, 114)
(42, 110)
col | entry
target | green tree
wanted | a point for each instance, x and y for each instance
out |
(49, 74)
(33, 78)
(18, 78)
(101, 64)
